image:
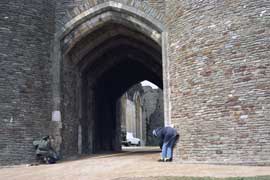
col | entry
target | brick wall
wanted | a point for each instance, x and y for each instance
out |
(219, 79)
(26, 28)
(62, 6)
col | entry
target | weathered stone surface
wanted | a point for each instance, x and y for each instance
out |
(26, 30)
(218, 73)
(68, 9)
(219, 77)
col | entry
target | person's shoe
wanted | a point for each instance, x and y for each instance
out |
(168, 160)
(161, 160)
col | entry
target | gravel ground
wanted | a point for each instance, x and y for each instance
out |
(198, 178)
(132, 164)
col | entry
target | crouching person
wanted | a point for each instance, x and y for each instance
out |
(44, 151)
(168, 137)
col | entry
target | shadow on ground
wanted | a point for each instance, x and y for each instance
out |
(126, 151)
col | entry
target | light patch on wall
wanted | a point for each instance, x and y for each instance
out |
(155, 35)
(147, 83)
(56, 116)
(116, 4)
(262, 13)
(243, 117)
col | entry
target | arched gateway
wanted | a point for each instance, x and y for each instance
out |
(98, 54)
(63, 70)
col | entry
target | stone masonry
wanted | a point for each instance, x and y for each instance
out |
(219, 79)
(65, 64)
(26, 29)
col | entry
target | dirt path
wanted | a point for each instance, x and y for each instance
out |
(135, 162)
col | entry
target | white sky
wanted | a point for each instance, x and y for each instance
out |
(147, 83)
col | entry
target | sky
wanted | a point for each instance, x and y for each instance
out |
(147, 83)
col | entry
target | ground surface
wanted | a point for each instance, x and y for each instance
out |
(198, 178)
(130, 165)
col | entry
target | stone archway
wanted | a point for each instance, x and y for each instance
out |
(88, 60)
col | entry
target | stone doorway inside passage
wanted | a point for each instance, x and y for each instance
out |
(98, 56)
(140, 111)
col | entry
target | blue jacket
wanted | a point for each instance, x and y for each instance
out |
(166, 134)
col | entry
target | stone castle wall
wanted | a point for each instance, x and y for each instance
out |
(26, 30)
(219, 80)
(62, 6)
(219, 72)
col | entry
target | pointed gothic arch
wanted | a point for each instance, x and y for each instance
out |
(89, 19)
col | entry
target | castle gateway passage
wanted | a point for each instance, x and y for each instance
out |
(65, 64)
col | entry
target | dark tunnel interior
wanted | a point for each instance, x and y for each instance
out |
(111, 85)
(109, 70)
